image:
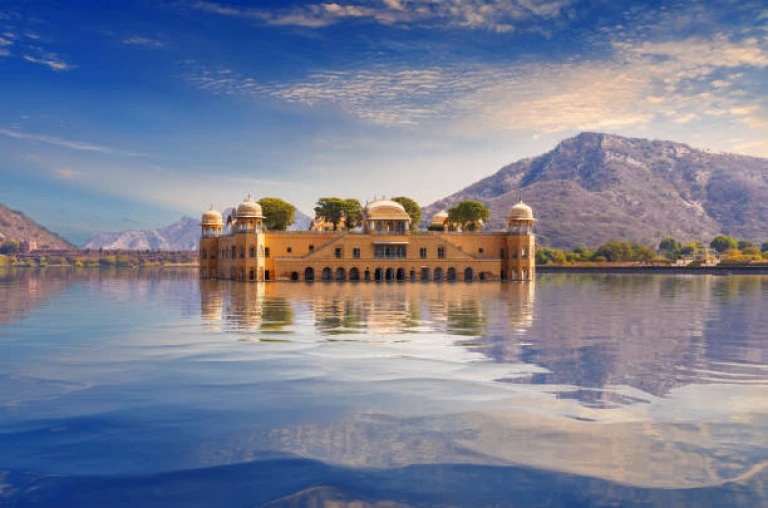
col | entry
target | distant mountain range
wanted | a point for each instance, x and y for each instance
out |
(14, 225)
(181, 235)
(596, 187)
(589, 189)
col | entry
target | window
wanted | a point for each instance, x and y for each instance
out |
(266, 252)
(523, 253)
(289, 250)
(242, 252)
(480, 250)
(311, 248)
(441, 252)
(356, 253)
(338, 252)
(423, 253)
(252, 252)
(390, 251)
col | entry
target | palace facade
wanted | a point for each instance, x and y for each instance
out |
(385, 249)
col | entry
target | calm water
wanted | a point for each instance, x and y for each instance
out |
(131, 388)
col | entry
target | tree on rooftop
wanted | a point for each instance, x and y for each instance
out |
(278, 214)
(412, 208)
(469, 214)
(336, 210)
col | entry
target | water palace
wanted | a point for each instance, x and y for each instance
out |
(385, 249)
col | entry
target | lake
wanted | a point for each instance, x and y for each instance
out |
(154, 388)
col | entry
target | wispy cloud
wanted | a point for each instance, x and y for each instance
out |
(146, 42)
(638, 82)
(493, 16)
(64, 143)
(67, 174)
(50, 60)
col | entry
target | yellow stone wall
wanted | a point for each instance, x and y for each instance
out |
(287, 255)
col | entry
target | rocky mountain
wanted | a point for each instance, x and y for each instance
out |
(596, 187)
(14, 225)
(181, 235)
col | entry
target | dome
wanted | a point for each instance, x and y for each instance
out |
(249, 209)
(385, 209)
(440, 218)
(520, 211)
(211, 218)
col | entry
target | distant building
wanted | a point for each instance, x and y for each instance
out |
(27, 246)
(385, 249)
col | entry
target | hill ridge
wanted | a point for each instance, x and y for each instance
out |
(594, 187)
(15, 225)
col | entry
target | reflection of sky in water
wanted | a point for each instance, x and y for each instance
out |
(648, 381)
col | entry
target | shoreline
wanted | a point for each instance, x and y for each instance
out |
(669, 270)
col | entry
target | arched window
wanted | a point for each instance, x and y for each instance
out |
(354, 274)
(469, 274)
(309, 274)
(424, 274)
(451, 274)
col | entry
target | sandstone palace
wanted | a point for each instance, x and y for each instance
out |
(384, 250)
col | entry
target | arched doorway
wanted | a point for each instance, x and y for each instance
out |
(367, 275)
(294, 276)
(451, 275)
(251, 275)
(341, 274)
(327, 274)
(390, 274)
(483, 276)
(424, 274)
(469, 274)
(309, 274)
(378, 275)
(401, 274)
(232, 273)
(412, 275)
(354, 274)
(438, 274)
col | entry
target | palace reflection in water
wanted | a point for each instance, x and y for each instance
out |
(652, 333)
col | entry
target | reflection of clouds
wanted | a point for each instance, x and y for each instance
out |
(633, 447)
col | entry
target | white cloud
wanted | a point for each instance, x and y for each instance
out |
(64, 143)
(137, 40)
(4, 52)
(639, 83)
(5, 42)
(493, 16)
(51, 60)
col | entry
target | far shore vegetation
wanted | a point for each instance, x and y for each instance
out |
(724, 248)
(10, 257)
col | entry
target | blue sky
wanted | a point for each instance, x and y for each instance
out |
(126, 115)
